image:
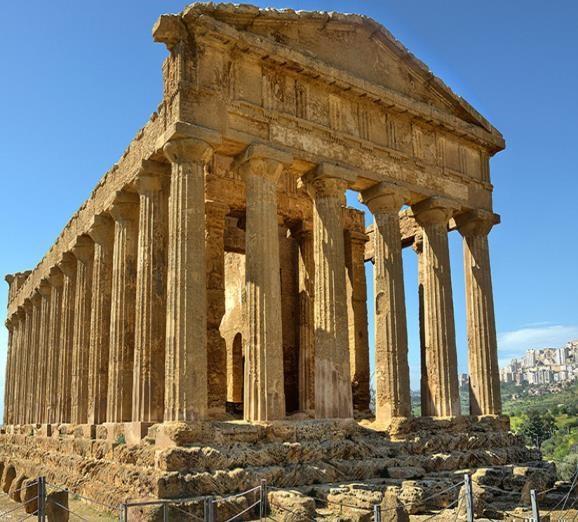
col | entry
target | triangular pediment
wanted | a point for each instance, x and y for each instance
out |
(352, 43)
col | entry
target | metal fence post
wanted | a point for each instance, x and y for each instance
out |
(469, 498)
(535, 508)
(124, 513)
(41, 500)
(209, 515)
(263, 499)
(376, 513)
(165, 512)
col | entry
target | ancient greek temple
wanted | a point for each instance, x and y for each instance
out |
(216, 271)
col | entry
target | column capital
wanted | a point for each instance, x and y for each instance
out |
(384, 197)
(304, 230)
(44, 288)
(101, 230)
(435, 210)
(476, 222)
(67, 264)
(124, 206)
(188, 150)
(28, 303)
(82, 248)
(9, 278)
(55, 277)
(8, 323)
(329, 180)
(18, 314)
(150, 176)
(35, 298)
(263, 160)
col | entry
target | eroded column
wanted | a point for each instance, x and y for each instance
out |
(264, 394)
(83, 250)
(481, 325)
(306, 320)
(32, 365)
(9, 375)
(392, 391)
(150, 322)
(124, 211)
(42, 353)
(102, 233)
(68, 267)
(438, 314)
(186, 328)
(55, 280)
(18, 319)
(333, 397)
(216, 348)
(25, 407)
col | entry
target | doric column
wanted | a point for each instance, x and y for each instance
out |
(102, 233)
(83, 250)
(357, 318)
(9, 375)
(186, 328)
(441, 365)
(18, 319)
(264, 394)
(32, 364)
(67, 266)
(304, 238)
(150, 322)
(481, 324)
(216, 348)
(42, 354)
(55, 280)
(392, 395)
(24, 388)
(333, 397)
(124, 211)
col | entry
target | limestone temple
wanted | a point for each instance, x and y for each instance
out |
(215, 273)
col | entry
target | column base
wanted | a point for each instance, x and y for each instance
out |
(135, 432)
(86, 431)
(114, 432)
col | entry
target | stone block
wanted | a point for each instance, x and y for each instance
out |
(57, 506)
(29, 494)
(135, 432)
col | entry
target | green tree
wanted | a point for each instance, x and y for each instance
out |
(538, 427)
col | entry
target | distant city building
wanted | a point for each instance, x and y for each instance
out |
(543, 366)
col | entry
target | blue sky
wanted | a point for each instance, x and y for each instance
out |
(80, 78)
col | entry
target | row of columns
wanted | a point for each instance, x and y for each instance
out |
(119, 331)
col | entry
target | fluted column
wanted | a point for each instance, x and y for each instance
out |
(481, 324)
(333, 397)
(102, 233)
(186, 329)
(55, 280)
(24, 405)
(32, 363)
(42, 353)
(68, 267)
(392, 391)
(150, 322)
(83, 250)
(216, 347)
(9, 375)
(124, 211)
(357, 318)
(439, 330)
(18, 319)
(306, 320)
(264, 394)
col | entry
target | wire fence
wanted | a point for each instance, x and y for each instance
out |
(256, 504)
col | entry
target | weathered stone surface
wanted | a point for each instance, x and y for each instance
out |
(291, 506)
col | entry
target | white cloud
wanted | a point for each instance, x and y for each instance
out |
(516, 342)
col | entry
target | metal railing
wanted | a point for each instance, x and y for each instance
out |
(255, 503)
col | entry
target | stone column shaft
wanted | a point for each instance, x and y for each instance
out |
(123, 300)
(392, 390)
(32, 370)
(481, 325)
(63, 402)
(264, 394)
(25, 340)
(216, 347)
(43, 353)
(83, 250)
(102, 233)
(17, 326)
(9, 375)
(333, 396)
(56, 281)
(150, 322)
(439, 329)
(186, 328)
(306, 322)
(357, 316)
